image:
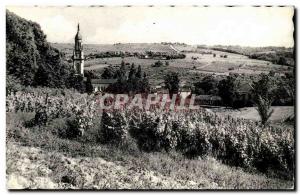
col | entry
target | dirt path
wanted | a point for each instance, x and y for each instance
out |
(172, 47)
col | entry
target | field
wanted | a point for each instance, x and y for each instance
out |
(280, 113)
(197, 61)
(129, 47)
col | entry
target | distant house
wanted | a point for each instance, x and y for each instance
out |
(143, 56)
(158, 89)
(102, 84)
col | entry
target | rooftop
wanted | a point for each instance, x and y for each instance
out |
(103, 81)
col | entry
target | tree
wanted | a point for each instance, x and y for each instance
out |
(132, 72)
(30, 58)
(157, 64)
(263, 91)
(208, 85)
(172, 82)
(108, 73)
(12, 84)
(227, 90)
(289, 85)
(139, 72)
(145, 86)
(88, 85)
(133, 84)
(282, 60)
(76, 81)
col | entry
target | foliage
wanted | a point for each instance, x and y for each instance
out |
(227, 90)
(79, 110)
(77, 82)
(134, 83)
(263, 91)
(236, 142)
(108, 73)
(13, 84)
(88, 85)
(157, 64)
(172, 82)
(114, 128)
(30, 58)
(200, 133)
(207, 86)
(287, 88)
(282, 58)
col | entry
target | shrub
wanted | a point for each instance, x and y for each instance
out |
(142, 128)
(237, 142)
(114, 128)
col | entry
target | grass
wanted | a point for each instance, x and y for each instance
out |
(281, 113)
(38, 158)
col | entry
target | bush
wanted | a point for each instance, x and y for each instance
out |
(64, 127)
(236, 142)
(143, 130)
(12, 84)
(114, 128)
(157, 64)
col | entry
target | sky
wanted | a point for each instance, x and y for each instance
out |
(245, 26)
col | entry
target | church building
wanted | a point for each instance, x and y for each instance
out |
(78, 56)
(78, 64)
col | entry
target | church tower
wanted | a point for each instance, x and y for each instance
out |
(78, 57)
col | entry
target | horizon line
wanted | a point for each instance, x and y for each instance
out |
(171, 43)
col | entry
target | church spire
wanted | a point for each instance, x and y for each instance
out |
(78, 57)
(78, 35)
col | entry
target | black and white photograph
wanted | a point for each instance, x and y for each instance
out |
(152, 97)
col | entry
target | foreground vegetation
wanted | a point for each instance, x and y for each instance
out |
(37, 158)
(73, 125)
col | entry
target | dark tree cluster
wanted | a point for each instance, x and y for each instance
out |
(132, 81)
(172, 81)
(30, 58)
(282, 58)
(207, 86)
(236, 90)
(110, 54)
(165, 55)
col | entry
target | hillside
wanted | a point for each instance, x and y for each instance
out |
(276, 55)
(34, 168)
(67, 48)
(30, 58)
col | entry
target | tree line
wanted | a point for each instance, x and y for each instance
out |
(31, 60)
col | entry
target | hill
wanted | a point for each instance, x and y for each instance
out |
(67, 48)
(276, 55)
